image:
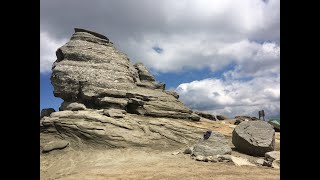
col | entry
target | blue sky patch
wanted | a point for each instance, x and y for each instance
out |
(157, 49)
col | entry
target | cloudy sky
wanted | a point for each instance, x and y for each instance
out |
(221, 56)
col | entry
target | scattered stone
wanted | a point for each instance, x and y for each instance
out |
(72, 106)
(212, 159)
(238, 161)
(224, 158)
(200, 158)
(240, 119)
(273, 155)
(276, 164)
(254, 137)
(270, 157)
(189, 150)
(46, 112)
(57, 144)
(221, 117)
(260, 161)
(175, 153)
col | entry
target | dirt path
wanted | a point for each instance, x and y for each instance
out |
(143, 164)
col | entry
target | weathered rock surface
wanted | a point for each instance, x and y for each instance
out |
(215, 145)
(94, 129)
(91, 71)
(53, 145)
(72, 106)
(46, 112)
(206, 115)
(254, 137)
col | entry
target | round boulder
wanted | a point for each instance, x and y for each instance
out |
(254, 137)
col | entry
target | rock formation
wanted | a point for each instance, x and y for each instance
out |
(111, 103)
(254, 137)
(91, 71)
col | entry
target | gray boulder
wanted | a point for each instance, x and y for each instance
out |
(254, 137)
(46, 112)
(215, 145)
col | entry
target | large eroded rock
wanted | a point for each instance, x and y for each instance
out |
(91, 71)
(254, 137)
(95, 129)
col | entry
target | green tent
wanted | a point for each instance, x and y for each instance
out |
(275, 123)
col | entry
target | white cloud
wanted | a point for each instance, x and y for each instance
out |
(48, 47)
(232, 97)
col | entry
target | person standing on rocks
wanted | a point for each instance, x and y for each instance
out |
(261, 114)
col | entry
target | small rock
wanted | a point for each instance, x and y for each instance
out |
(238, 161)
(276, 164)
(200, 158)
(189, 150)
(260, 161)
(175, 153)
(221, 117)
(267, 163)
(212, 159)
(224, 158)
(272, 155)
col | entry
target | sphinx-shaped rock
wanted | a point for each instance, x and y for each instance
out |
(91, 71)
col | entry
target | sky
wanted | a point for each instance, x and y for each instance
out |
(221, 56)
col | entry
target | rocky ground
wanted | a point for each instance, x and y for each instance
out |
(144, 163)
